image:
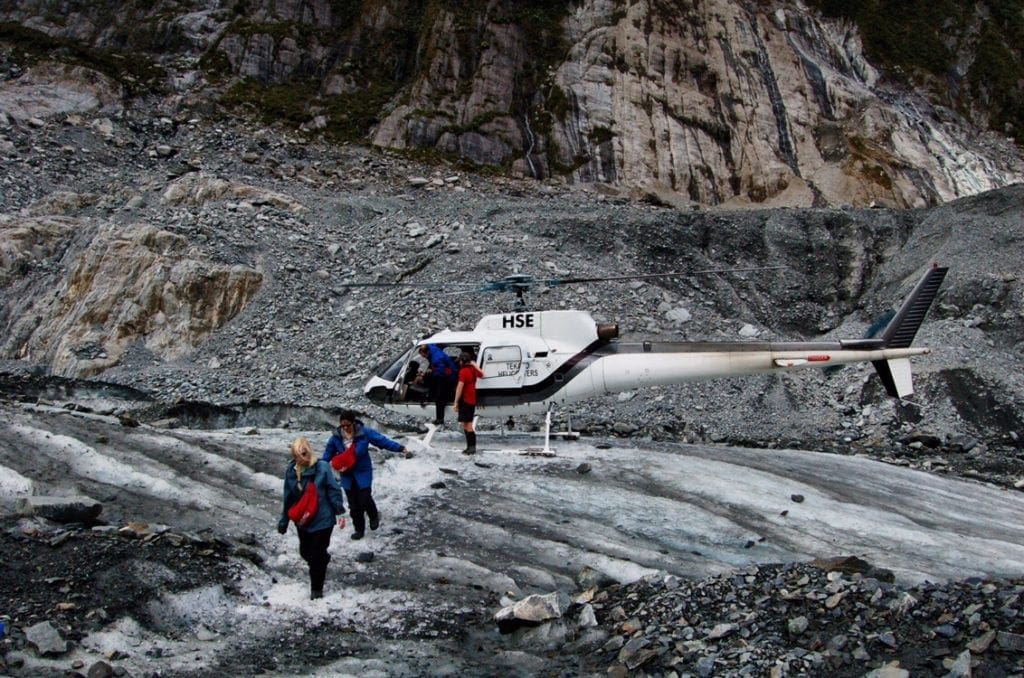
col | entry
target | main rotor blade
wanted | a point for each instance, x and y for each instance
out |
(401, 284)
(554, 282)
(520, 283)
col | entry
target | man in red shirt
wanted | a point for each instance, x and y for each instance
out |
(465, 398)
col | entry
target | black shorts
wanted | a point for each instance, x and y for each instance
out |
(466, 413)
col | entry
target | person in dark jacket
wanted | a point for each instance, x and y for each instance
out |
(443, 374)
(314, 538)
(357, 481)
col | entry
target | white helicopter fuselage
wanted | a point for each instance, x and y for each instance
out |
(533, 360)
(680, 362)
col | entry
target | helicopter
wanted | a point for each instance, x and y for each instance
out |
(533, 361)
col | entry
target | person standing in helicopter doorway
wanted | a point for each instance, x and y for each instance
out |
(443, 374)
(465, 398)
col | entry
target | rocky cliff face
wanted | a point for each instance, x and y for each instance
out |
(726, 102)
(721, 102)
(115, 286)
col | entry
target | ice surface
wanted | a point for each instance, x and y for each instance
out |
(13, 485)
(506, 523)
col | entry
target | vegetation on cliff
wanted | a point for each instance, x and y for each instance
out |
(968, 55)
(137, 73)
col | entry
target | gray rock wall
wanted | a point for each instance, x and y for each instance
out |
(115, 286)
(724, 102)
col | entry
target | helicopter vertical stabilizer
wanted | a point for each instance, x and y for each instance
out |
(903, 327)
(901, 330)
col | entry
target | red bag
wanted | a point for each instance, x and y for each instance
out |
(304, 510)
(345, 460)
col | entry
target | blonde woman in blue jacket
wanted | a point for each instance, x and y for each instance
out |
(315, 538)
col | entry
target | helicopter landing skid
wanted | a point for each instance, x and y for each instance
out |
(563, 435)
(424, 442)
(567, 434)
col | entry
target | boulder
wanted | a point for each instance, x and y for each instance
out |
(46, 639)
(588, 578)
(75, 509)
(532, 611)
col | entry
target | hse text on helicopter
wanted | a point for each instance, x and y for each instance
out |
(533, 361)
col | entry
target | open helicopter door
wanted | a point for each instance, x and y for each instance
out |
(416, 390)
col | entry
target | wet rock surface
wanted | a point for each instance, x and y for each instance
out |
(61, 582)
(182, 573)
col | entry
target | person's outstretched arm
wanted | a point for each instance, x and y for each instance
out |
(382, 441)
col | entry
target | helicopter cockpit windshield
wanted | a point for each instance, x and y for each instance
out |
(390, 371)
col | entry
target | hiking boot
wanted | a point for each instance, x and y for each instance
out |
(316, 593)
(469, 450)
(375, 522)
(356, 535)
(439, 422)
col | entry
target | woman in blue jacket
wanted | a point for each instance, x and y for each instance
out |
(315, 537)
(357, 480)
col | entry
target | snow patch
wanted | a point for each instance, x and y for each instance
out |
(13, 485)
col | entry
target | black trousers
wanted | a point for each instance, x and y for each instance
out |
(442, 392)
(313, 549)
(360, 505)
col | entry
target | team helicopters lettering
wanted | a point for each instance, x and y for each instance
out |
(533, 361)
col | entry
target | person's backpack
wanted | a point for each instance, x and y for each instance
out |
(304, 510)
(345, 460)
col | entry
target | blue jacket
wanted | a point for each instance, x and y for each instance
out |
(331, 500)
(362, 471)
(442, 365)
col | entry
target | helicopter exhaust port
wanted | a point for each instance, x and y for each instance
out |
(607, 331)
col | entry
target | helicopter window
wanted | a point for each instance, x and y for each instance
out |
(455, 350)
(389, 371)
(501, 361)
